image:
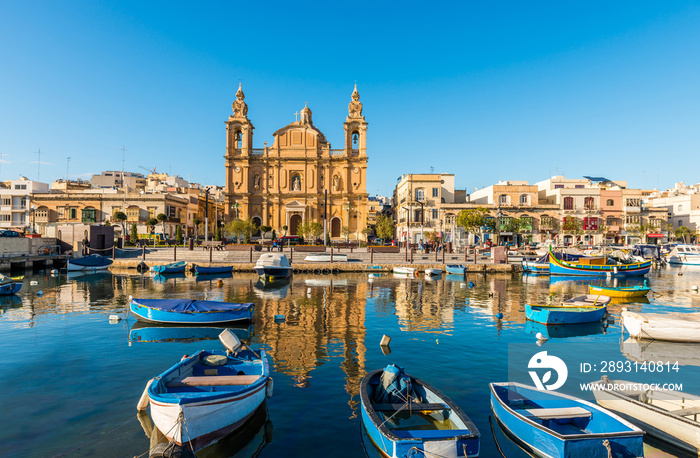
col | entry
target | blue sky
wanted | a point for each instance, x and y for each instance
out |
(488, 91)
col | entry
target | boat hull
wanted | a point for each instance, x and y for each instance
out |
(153, 315)
(405, 270)
(202, 419)
(274, 273)
(680, 432)
(173, 268)
(564, 315)
(456, 270)
(10, 288)
(545, 442)
(620, 292)
(92, 263)
(535, 267)
(559, 267)
(670, 327)
(201, 270)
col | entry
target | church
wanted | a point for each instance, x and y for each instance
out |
(299, 177)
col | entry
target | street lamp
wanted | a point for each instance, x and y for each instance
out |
(33, 210)
(499, 215)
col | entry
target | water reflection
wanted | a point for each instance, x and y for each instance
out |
(147, 332)
(562, 331)
(273, 289)
(686, 354)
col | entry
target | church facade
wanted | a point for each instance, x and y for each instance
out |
(299, 177)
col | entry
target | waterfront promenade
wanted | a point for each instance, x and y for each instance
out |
(358, 259)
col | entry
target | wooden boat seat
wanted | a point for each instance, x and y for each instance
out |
(212, 380)
(556, 414)
(686, 412)
(413, 406)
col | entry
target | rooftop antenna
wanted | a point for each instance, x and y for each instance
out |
(432, 169)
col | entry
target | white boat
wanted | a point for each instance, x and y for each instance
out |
(671, 416)
(326, 258)
(432, 272)
(405, 270)
(273, 266)
(674, 327)
(684, 254)
(208, 395)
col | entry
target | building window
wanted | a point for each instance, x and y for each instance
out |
(132, 214)
(589, 203)
(610, 203)
(590, 223)
(579, 186)
(504, 223)
(503, 199)
(420, 194)
(558, 186)
(632, 219)
(435, 214)
(72, 213)
(436, 192)
(89, 215)
(20, 186)
(524, 199)
(6, 201)
(611, 222)
(568, 203)
(633, 203)
(4, 217)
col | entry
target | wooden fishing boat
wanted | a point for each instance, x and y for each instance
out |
(273, 266)
(671, 416)
(187, 311)
(9, 286)
(456, 269)
(406, 417)
(208, 395)
(620, 291)
(553, 314)
(554, 425)
(587, 300)
(91, 263)
(172, 268)
(597, 267)
(432, 272)
(539, 266)
(405, 270)
(674, 327)
(203, 270)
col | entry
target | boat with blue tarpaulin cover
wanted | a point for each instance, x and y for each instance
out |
(188, 311)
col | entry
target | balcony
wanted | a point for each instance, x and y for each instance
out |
(257, 152)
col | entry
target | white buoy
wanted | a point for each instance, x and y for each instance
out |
(694, 287)
(386, 340)
(33, 283)
(114, 318)
(143, 401)
(462, 285)
(308, 290)
(540, 337)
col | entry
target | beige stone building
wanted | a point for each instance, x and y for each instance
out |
(289, 181)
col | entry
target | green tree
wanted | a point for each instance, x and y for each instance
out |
(473, 220)
(196, 221)
(346, 232)
(265, 229)
(384, 227)
(161, 217)
(151, 223)
(217, 237)
(303, 229)
(178, 235)
(315, 230)
(367, 232)
(285, 228)
(239, 228)
(121, 217)
(572, 225)
(684, 233)
(134, 234)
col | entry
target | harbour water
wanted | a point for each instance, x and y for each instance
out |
(71, 379)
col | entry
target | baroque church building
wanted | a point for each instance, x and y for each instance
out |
(300, 177)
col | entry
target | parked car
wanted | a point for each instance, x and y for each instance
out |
(10, 233)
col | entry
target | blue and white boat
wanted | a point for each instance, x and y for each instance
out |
(188, 311)
(9, 286)
(539, 266)
(555, 425)
(405, 417)
(91, 263)
(551, 314)
(273, 266)
(172, 268)
(456, 269)
(208, 395)
(201, 270)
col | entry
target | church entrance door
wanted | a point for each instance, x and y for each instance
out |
(335, 227)
(294, 222)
